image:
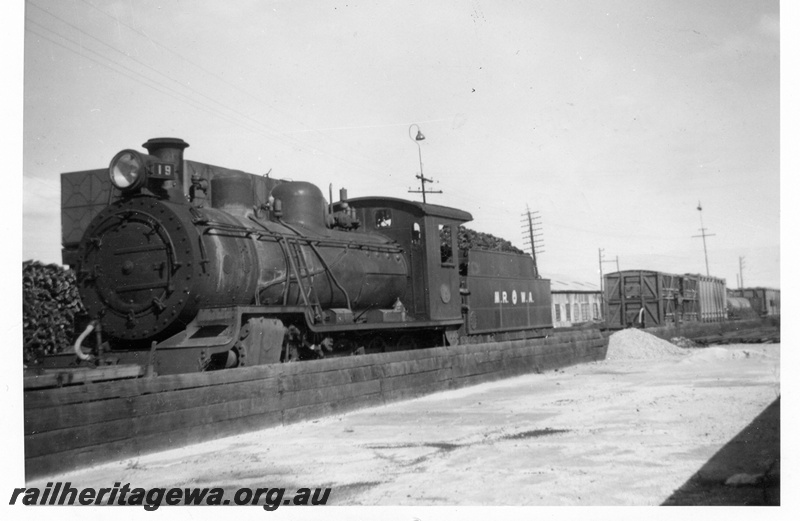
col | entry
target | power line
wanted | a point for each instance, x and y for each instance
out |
(274, 134)
(232, 85)
(134, 75)
(145, 65)
(198, 66)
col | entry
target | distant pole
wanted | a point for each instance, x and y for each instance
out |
(600, 262)
(602, 283)
(703, 234)
(741, 276)
(600, 255)
(416, 139)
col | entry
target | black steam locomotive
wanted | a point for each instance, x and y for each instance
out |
(185, 266)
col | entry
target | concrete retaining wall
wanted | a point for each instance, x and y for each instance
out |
(83, 425)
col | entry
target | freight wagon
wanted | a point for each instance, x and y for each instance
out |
(739, 308)
(645, 298)
(711, 298)
(764, 301)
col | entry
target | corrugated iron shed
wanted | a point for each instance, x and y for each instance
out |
(560, 284)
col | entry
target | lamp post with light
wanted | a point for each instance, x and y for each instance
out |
(416, 139)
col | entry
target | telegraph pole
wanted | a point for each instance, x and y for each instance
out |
(741, 276)
(703, 234)
(602, 283)
(530, 223)
(600, 261)
(424, 180)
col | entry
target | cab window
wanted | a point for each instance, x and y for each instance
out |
(383, 218)
(446, 244)
(416, 234)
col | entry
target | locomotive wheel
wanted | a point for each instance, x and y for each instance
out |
(451, 337)
(406, 343)
(376, 344)
(344, 347)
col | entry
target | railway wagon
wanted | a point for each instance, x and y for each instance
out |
(764, 301)
(711, 298)
(739, 308)
(644, 298)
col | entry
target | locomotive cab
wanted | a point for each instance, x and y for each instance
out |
(428, 234)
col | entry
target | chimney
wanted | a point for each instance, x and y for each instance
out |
(169, 150)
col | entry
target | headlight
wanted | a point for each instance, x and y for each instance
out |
(128, 170)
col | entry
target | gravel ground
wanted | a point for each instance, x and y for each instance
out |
(630, 430)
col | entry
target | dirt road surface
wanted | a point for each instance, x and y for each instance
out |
(624, 431)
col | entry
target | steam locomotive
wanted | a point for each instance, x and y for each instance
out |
(185, 266)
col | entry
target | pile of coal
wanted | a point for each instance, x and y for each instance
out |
(50, 307)
(470, 239)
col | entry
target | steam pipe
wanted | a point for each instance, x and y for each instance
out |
(83, 356)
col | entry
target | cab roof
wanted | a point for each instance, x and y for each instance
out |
(412, 207)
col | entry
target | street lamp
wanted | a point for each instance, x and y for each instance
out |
(703, 234)
(416, 139)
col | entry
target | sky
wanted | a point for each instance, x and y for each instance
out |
(611, 119)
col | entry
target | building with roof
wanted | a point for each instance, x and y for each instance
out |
(575, 302)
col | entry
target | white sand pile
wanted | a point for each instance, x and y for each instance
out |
(635, 344)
